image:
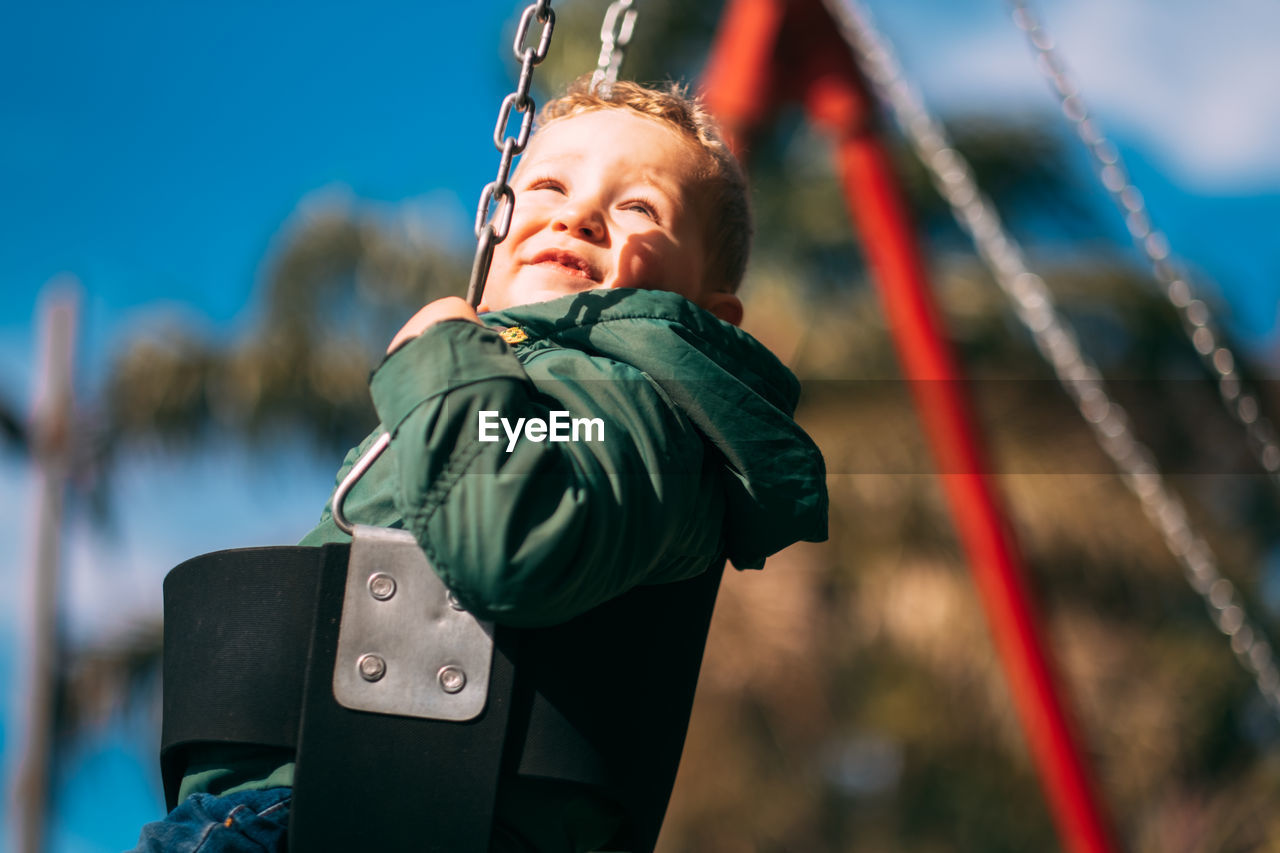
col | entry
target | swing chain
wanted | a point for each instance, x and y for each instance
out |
(498, 200)
(488, 234)
(1057, 342)
(1199, 325)
(615, 34)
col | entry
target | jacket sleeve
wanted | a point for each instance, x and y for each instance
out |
(533, 532)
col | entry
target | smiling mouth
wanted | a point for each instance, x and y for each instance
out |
(567, 263)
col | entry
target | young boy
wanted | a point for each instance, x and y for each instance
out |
(610, 306)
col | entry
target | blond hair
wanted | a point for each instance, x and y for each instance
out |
(723, 186)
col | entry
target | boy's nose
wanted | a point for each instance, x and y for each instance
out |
(580, 220)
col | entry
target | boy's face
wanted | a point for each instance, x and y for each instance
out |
(605, 199)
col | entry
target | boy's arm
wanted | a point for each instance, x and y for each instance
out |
(436, 311)
(534, 532)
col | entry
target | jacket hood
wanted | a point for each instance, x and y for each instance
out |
(736, 392)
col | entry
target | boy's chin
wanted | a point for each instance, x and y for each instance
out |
(545, 293)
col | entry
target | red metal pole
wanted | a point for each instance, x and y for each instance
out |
(806, 50)
(739, 82)
(997, 568)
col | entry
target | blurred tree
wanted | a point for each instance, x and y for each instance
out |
(12, 428)
(334, 293)
(339, 284)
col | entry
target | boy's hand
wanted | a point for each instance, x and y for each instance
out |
(446, 308)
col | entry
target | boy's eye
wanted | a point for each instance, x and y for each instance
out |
(642, 207)
(547, 184)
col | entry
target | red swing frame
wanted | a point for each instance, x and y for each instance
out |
(767, 52)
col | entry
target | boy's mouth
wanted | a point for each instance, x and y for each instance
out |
(567, 262)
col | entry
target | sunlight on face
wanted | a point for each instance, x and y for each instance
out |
(604, 199)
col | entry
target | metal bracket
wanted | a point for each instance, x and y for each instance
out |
(405, 646)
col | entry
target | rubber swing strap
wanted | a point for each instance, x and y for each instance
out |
(250, 642)
(237, 633)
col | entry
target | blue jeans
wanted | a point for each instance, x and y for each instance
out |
(244, 822)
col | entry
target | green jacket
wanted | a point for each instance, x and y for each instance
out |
(687, 454)
(700, 457)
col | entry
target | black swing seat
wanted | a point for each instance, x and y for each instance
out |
(603, 700)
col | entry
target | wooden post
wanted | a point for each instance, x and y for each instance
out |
(50, 442)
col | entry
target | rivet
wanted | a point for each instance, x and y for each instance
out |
(451, 679)
(372, 667)
(382, 586)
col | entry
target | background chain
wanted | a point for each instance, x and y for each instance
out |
(1057, 342)
(1199, 325)
(615, 35)
(498, 192)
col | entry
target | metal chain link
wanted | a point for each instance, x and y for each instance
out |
(498, 200)
(1199, 325)
(497, 190)
(1057, 341)
(615, 35)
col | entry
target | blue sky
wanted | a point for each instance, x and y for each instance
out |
(154, 149)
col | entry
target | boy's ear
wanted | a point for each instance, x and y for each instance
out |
(726, 306)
